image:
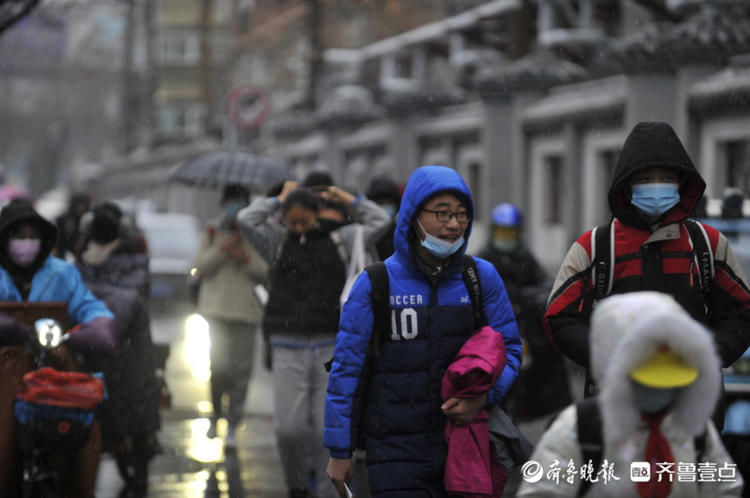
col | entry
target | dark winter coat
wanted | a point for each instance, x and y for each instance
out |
(646, 259)
(305, 281)
(307, 274)
(430, 319)
(542, 385)
(122, 281)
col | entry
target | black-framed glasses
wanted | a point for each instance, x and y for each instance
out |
(444, 216)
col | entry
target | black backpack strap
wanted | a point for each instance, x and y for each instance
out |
(704, 256)
(470, 275)
(590, 436)
(379, 292)
(602, 259)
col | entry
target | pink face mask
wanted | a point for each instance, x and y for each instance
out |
(23, 251)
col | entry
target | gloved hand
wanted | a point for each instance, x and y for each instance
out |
(13, 332)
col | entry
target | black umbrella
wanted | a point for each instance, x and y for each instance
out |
(216, 169)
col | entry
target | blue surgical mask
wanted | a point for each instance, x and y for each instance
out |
(233, 207)
(440, 247)
(651, 400)
(655, 199)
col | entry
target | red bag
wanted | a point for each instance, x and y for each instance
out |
(47, 386)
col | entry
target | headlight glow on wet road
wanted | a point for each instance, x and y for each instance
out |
(197, 345)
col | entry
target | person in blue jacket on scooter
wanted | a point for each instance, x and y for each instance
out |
(28, 272)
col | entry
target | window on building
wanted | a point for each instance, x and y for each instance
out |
(181, 119)
(553, 166)
(738, 164)
(223, 11)
(181, 48)
(404, 65)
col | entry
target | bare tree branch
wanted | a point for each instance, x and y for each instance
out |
(12, 11)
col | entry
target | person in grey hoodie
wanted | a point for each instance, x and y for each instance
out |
(306, 278)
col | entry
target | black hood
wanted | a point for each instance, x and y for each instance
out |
(650, 145)
(15, 212)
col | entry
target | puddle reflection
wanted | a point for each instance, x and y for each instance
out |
(226, 479)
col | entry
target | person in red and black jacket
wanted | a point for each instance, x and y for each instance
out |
(654, 188)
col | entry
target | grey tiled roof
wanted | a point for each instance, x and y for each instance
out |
(711, 35)
(291, 124)
(539, 70)
(600, 99)
(728, 89)
(423, 99)
(349, 105)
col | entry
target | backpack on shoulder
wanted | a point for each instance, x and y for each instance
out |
(603, 257)
(603, 261)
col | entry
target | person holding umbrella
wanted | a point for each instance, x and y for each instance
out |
(229, 268)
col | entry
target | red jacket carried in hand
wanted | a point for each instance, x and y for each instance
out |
(468, 467)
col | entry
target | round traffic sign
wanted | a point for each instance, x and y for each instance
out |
(247, 105)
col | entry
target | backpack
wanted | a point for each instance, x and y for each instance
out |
(591, 437)
(603, 253)
(602, 268)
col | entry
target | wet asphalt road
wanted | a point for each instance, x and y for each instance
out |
(192, 465)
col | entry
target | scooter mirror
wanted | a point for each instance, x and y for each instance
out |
(49, 333)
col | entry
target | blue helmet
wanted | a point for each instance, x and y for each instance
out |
(507, 215)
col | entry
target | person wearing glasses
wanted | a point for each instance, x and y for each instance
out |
(307, 272)
(653, 246)
(391, 400)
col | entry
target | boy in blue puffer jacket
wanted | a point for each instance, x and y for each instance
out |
(398, 400)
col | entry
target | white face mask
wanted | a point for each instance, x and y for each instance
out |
(23, 252)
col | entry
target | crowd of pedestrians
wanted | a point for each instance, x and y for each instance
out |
(444, 373)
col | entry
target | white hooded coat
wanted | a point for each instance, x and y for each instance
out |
(626, 329)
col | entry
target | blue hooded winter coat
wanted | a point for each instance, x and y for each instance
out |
(395, 407)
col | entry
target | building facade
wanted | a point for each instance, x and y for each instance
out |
(531, 102)
(192, 54)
